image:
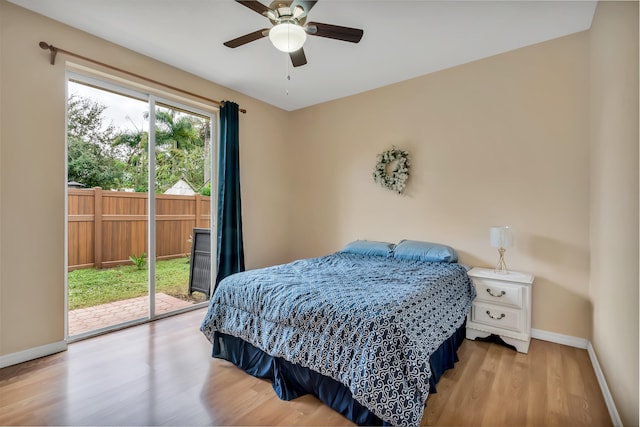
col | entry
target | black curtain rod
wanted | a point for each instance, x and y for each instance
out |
(54, 51)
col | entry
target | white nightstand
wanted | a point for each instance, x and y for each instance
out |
(502, 307)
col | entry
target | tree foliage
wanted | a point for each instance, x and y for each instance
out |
(87, 121)
(90, 156)
(102, 155)
(177, 131)
(179, 149)
(89, 165)
(134, 146)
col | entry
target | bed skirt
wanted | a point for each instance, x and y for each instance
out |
(291, 380)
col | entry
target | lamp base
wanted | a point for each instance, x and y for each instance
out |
(501, 268)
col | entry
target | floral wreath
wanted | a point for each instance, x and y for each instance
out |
(392, 169)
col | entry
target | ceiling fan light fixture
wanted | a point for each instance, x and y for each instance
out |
(287, 37)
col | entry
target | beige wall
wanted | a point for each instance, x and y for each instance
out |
(614, 200)
(32, 170)
(501, 141)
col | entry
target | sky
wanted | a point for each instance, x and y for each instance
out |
(125, 113)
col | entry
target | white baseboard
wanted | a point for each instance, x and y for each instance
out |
(32, 353)
(559, 338)
(608, 399)
(584, 344)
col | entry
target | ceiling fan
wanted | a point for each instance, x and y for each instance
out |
(290, 28)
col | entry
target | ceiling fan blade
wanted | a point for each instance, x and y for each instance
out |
(246, 38)
(337, 32)
(305, 4)
(254, 5)
(298, 57)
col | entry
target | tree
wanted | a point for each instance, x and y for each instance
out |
(134, 145)
(86, 121)
(90, 155)
(87, 164)
(179, 148)
(180, 151)
(177, 131)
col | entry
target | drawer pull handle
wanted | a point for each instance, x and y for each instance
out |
(502, 316)
(502, 293)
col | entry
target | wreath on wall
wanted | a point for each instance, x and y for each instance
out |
(392, 169)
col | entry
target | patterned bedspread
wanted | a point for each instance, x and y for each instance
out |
(369, 322)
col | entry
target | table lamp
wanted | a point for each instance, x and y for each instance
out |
(501, 238)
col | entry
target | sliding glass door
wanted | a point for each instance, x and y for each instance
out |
(139, 177)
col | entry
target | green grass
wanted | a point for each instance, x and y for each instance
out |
(91, 287)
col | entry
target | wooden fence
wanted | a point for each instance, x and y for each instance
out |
(106, 227)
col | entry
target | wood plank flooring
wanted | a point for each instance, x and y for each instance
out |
(162, 373)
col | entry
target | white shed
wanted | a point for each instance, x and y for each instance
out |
(181, 187)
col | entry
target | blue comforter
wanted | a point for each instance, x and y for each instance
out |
(369, 322)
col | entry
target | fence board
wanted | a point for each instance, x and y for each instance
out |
(106, 227)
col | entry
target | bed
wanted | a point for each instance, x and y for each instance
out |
(368, 331)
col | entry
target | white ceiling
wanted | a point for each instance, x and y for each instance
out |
(402, 39)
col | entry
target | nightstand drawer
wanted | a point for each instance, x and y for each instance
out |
(497, 316)
(495, 292)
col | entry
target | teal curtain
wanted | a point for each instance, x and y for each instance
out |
(230, 251)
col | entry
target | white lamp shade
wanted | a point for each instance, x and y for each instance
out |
(287, 37)
(501, 237)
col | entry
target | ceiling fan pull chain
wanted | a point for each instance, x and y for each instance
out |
(288, 62)
(288, 77)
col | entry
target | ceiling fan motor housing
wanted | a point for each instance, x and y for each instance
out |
(281, 13)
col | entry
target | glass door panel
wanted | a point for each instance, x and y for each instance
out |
(107, 208)
(183, 167)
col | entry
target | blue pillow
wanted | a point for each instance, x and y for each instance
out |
(368, 247)
(424, 251)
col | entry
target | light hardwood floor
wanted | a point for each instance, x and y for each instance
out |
(161, 373)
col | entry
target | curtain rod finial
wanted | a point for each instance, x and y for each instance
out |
(52, 48)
